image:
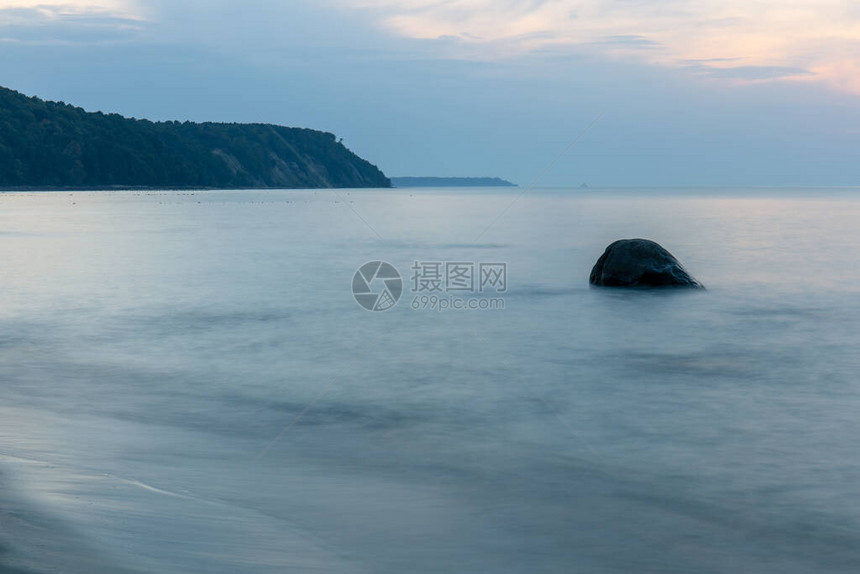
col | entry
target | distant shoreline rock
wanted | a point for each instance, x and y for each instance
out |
(450, 182)
(640, 263)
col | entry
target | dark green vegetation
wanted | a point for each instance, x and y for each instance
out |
(450, 182)
(48, 144)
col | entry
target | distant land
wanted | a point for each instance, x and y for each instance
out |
(55, 145)
(450, 182)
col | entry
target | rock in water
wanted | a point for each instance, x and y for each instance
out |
(639, 263)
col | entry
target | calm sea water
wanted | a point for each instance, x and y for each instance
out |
(188, 384)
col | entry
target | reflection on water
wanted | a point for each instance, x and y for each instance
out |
(189, 385)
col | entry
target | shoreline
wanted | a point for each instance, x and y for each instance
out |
(34, 542)
(38, 188)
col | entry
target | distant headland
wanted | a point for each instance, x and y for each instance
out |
(450, 182)
(53, 145)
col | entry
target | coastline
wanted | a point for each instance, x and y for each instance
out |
(31, 188)
(33, 542)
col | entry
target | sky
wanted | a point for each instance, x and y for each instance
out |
(541, 92)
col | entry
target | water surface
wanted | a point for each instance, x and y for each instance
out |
(189, 386)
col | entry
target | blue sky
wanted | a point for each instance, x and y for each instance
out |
(683, 93)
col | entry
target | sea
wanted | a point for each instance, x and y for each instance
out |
(192, 382)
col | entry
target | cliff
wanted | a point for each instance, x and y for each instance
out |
(56, 145)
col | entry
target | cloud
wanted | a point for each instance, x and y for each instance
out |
(707, 61)
(811, 40)
(749, 73)
(122, 8)
(28, 22)
(627, 41)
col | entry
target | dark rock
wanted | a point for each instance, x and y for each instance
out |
(639, 263)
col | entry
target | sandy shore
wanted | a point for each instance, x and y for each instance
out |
(32, 542)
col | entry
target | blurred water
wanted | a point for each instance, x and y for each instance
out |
(189, 385)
